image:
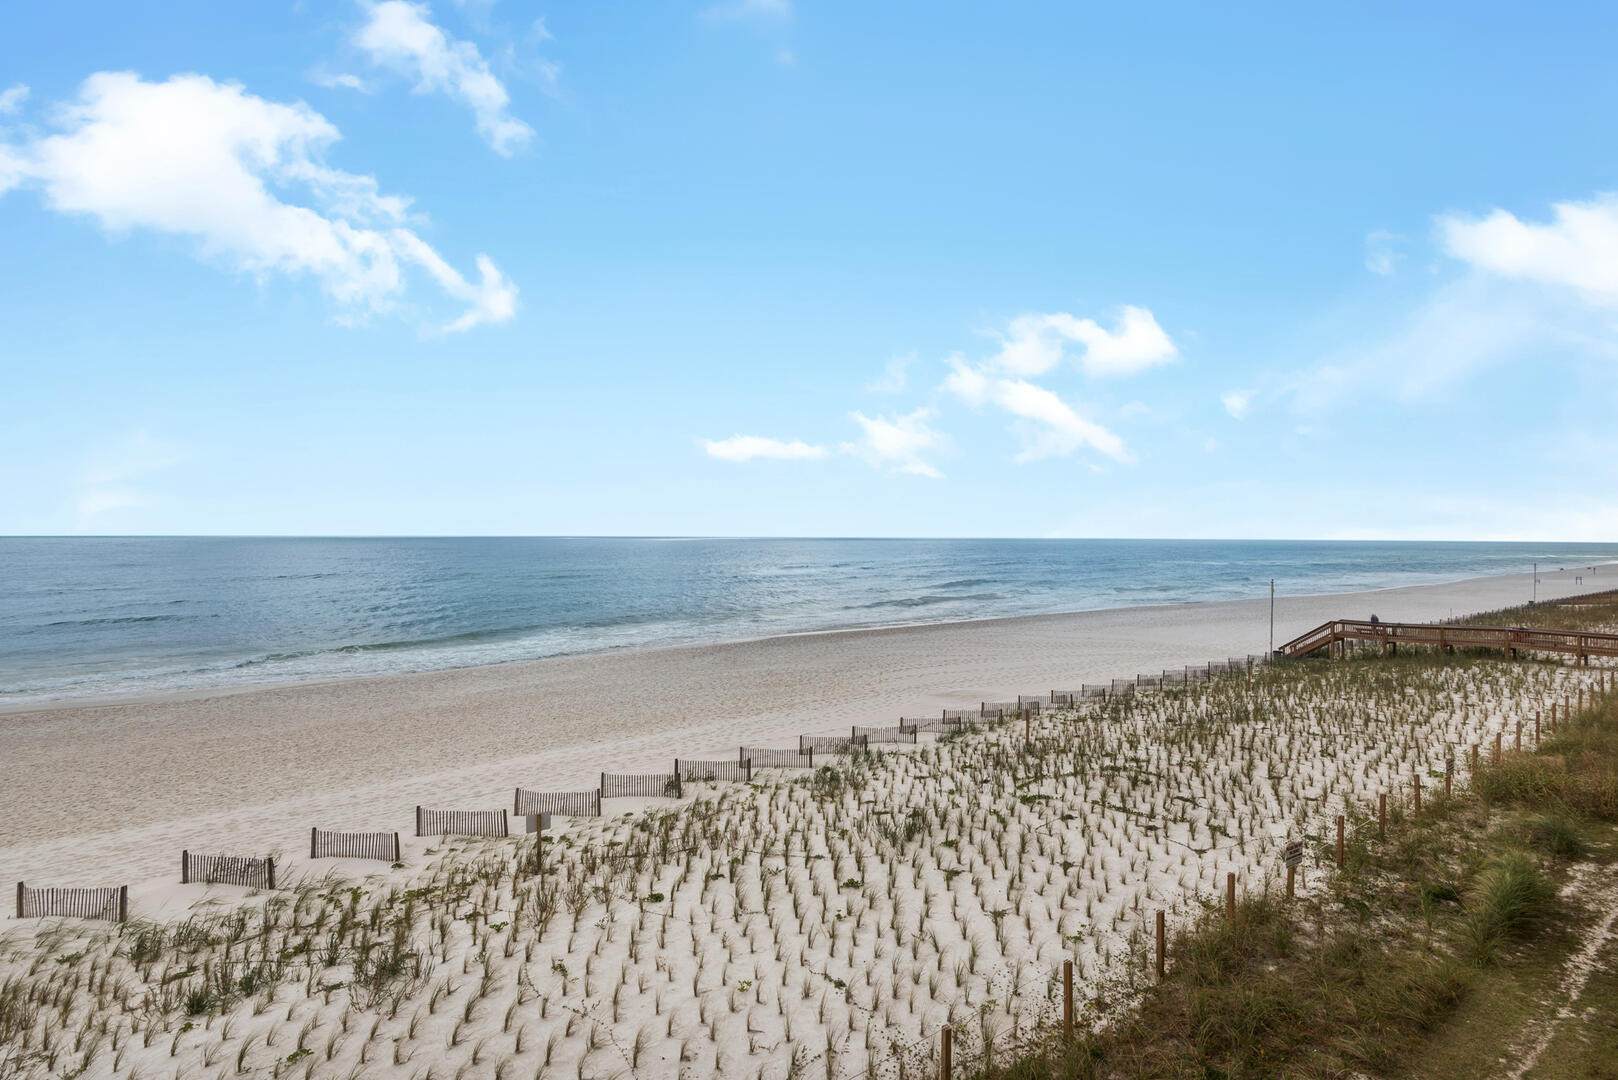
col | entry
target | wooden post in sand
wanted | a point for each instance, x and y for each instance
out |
(1415, 790)
(1518, 747)
(1497, 748)
(20, 889)
(1291, 872)
(1339, 841)
(314, 831)
(1161, 950)
(1067, 1001)
(944, 1053)
(1230, 894)
(185, 868)
(1536, 727)
(1474, 757)
(1027, 725)
(123, 903)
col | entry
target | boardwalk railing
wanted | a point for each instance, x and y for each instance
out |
(461, 822)
(111, 904)
(243, 870)
(566, 803)
(640, 786)
(1335, 636)
(383, 846)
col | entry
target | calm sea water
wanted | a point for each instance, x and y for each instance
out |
(83, 617)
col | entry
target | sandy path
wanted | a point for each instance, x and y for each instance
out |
(110, 793)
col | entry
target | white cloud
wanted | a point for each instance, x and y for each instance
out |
(748, 447)
(786, 57)
(1034, 344)
(208, 160)
(895, 376)
(1382, 255)
(402, 36)
(1054, 428)
(341, 80)
(11, 99)
(1237, 402)
(1577, 250)
(902, 443)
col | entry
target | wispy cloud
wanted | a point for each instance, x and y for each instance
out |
(1054, 427)
(114, 479)
(749, 447)
(903, 443)
(1035, 344)
(12, 98)
(402, 36)
(763, 10)
(339, 80)
(1577, 249)
(1237, 402)
(206, 160)
(895, 376)
(1382, 252)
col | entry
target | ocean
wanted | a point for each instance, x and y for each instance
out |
(88, 617)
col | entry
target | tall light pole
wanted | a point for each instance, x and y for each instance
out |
(1272, 616)
(1536, 584)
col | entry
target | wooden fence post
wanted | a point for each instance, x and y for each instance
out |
(1161, 945)
(185, 868)
(1474, 757)
(1027, 725)
(1291, 872)
(314, 831)
(944, 1053)
(418, 820)
(1518, 746)
(1067, 1000)
(1497, 748)
(1536, 727)
(396, 855)
(20, 889)
(1382, 816)
(272, 872)
(1339, 841)
(123, 903)
(1415, 788)
(1230, 894)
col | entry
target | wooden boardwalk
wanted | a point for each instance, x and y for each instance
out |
(1335, 637)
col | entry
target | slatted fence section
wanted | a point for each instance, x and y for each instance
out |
(900, 734)
(382, 846)
(244, 870)
(690, 771)
(68, 903)
(461, 822)
(764, 757)
(565, 803)
(937, 725)
(830, 744)
(640, 786)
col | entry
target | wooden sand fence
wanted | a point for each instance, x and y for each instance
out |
(461, 822)
(935, 725)
(565, 803)
(110, 904)
(713, 771)
(900, 734)
(765, 758)
(245, 870)
(383, 846)
(831, 744)
(640, 786)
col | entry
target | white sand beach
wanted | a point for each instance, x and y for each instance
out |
(112, 792)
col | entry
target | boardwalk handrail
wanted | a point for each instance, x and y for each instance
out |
(1582, 644)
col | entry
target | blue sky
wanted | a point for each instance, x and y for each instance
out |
(771, 267)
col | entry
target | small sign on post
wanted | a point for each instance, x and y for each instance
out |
(1292, 854)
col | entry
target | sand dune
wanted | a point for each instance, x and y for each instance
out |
(109, 793)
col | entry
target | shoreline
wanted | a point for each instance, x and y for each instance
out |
(165, 696)
(116, 789)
